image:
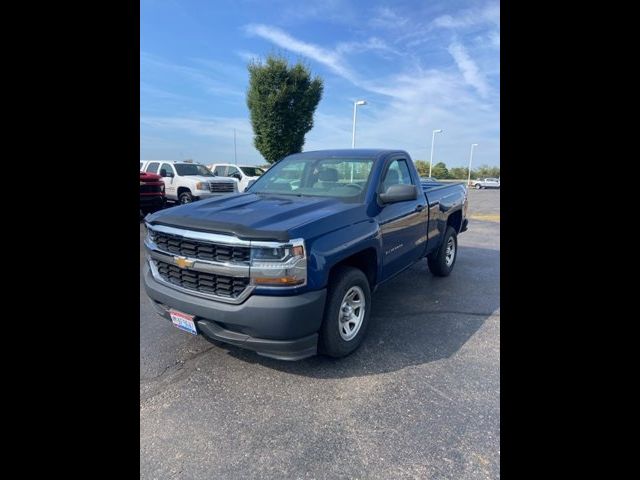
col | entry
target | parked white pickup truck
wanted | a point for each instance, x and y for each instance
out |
(244, 174)
(186, 181)
(486, 183)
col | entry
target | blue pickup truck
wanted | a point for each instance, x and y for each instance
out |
(287, 268)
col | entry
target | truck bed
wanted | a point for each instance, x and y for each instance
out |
(438, 192)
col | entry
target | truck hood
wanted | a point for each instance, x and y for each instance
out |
(146, 177)
(253, 216)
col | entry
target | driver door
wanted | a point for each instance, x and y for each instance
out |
(403, 224)
(170, 183)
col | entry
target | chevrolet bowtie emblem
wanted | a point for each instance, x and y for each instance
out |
(182, 262)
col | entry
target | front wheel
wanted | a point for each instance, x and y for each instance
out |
(346, 314)
(441, 261)
(478, 186)
(185, 197)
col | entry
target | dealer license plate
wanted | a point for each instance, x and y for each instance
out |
(183, 321)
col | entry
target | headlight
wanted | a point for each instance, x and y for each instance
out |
(202, 186)
(279, 265)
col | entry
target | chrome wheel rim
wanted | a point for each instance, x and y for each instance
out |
(184, 199)
(450, 252)
(351, 313)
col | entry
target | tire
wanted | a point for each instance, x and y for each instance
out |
(185, 197)
(337, 338)
(441, 261)
(478, 186)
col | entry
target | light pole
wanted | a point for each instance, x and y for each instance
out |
(433, 138)
(235, 153)
(355, 110)
(471, 158)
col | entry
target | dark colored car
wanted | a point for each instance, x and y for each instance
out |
(288, 267)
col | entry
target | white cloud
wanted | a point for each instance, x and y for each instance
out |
(469, 69)
(205, 79)
(373, 43)
(490, 13)
(387, 18)
(329, 58)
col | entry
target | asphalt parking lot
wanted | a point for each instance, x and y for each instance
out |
(419, 399)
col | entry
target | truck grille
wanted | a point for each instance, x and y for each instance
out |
(222, 187)
(199, 249)
(150, 188)
(219, 285)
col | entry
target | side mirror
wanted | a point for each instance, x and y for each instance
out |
(399, 193)
(236, 175)
(164, 173)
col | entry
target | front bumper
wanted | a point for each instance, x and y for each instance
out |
(152, 201)
(285, 328)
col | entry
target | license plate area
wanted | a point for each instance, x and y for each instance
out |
(183, 321)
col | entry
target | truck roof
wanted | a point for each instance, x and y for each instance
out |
(352, 152)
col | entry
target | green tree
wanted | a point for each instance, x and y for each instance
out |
(440, 171)
(422, 167)
(281, 101)
(484, 171)
(459, 173)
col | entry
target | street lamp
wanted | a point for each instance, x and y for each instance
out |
(471, 158)
(433, 137)
(355, 110)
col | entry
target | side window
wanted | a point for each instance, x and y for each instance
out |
(153, 167)
(220, 171)
(166, 168)
(397, 174)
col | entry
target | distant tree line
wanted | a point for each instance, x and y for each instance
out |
(441, 172)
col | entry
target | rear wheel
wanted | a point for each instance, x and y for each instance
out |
(346, 315)
(441, 261)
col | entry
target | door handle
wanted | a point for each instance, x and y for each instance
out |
(419, 208)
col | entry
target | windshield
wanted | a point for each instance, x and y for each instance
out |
(186, 169)
(322, 177)
(252, 171)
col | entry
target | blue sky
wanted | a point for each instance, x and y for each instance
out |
(421, 65)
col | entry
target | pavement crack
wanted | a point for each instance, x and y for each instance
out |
(170, 374)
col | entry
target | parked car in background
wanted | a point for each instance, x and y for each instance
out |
(288, 268)
(152, 197)
(244, 174)
(186, 181)
(486, 183)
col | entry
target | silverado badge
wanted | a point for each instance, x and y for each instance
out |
(182, 262)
